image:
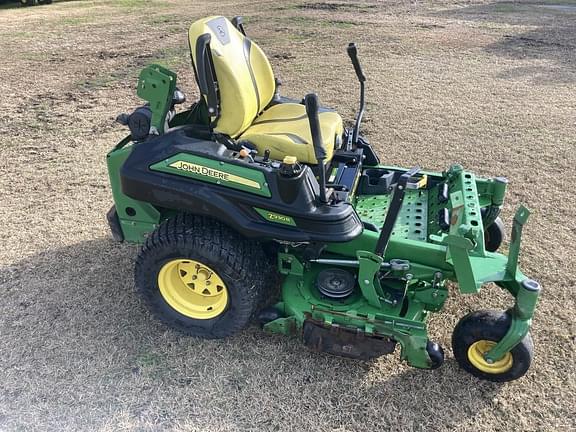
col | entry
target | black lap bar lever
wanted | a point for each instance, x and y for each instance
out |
(394, 210)
(311, 102)
(353, 53)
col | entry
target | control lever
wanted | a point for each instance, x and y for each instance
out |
(266, 155)
(353, 53)
(206, 74)
(394, 210)
(311, 102)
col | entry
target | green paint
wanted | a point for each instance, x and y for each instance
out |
(289, 265)
(212, 171)
(412, 222)
(137, 218)
(369, 266)
(156, 85)
(434, 258)
(520, 218)
(522, 313)
(286, 326)
(302, 300)
(465, 218)
(275, 217)
(526, 299)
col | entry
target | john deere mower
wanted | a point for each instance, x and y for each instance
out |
(253, 205)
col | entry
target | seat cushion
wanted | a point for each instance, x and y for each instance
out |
(285, 131)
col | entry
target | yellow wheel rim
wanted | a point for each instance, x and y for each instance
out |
(476, 353)
(193, 289)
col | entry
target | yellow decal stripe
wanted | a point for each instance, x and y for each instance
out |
(213, 173)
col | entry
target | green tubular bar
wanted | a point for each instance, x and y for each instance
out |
(526, 292)
(369, 265)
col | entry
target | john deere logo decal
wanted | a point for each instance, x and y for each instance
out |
(235, 175)
(220, 176)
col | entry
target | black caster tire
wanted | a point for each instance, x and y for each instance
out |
(25, 3)
(202, 278)
(494, 235)
(436, 354)
(476, 333)
(45, 2)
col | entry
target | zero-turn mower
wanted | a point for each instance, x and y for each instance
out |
(247, 185)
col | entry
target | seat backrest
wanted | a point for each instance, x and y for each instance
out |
(245, 79)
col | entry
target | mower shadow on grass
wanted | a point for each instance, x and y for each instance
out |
(79, 349)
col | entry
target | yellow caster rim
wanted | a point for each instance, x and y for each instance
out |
(476, 353)
(193, 289)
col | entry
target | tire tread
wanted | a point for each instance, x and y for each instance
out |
(241, 259)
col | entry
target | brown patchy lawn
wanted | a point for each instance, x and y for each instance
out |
(488, 85)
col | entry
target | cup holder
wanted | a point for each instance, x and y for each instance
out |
(376, 181)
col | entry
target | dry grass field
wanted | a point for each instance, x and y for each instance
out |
(489, 85)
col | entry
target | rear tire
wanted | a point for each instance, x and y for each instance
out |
(239, 265)
(476, 333)
(26, 3)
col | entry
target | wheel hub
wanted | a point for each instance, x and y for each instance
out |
(192, 288)
(476, 355)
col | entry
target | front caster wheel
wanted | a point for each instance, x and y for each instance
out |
(494, 235)
(476, 333)
(436, 354)
(200, 277)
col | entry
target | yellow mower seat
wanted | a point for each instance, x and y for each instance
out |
(245, 87)
(284, 130)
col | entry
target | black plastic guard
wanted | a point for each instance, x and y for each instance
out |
(313, 222)
(114, 224)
